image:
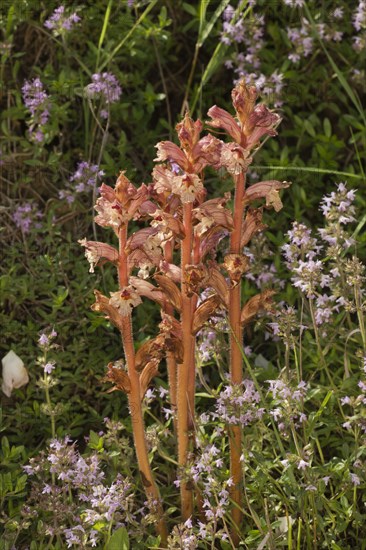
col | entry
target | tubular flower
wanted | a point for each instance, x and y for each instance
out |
(117, 206)
(95, 251)
(124, 300)
(194, 153)
(187, 187)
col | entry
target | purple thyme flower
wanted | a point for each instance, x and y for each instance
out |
(302, 465)
(59, 22)
(104, 86)
(26, 216)
(85, 176)
(301, 40)
(49, 367)
(84, 179)
(238, 404)
(338, 13)
(359, 16)
(355, 479)
(37, 102)
(45, 339)
(338, 206)
(308, 276)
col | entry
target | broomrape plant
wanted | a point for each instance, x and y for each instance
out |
(171, 260)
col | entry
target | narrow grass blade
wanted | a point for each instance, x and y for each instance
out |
(103, 32)
(206, 27)
(309, 169)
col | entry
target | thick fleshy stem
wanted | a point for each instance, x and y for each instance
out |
(170, 356)
(134, 399)
(185, 369)
(236, 361)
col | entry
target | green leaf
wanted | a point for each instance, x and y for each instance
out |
(119, 540)
(5, 447)
(95, 442)
(309, 128)
(190, 9)
(327, 127)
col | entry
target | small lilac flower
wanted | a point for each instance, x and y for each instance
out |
(168, 413)
(49, 367)
(302, 465)
(337, 13)
(188, 523)
(86, 175)
(355, 479)
(47, 489)
(345, 400)
(43, 340)
(149, 395)
(163, 392)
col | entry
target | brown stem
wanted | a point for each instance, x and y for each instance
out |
(170, 356)
(185, 369)
(236, 361)
(134, 399)
(192, 365)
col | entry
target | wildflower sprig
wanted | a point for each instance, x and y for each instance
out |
(48, 380)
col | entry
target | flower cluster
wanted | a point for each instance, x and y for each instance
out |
(302, 38)
(85, 178)
(104, 86)
(311, 274)
(38, 103)
(359, 23)
(287, 404)
(338, 210)
(70, 494)
(45, 340)
(27, 216)
(206, 473)
(262, 271)
(59, 22)
(238, 404)
(248, 34)
(285, 323)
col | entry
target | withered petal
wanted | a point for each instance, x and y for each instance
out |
(204, 312)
